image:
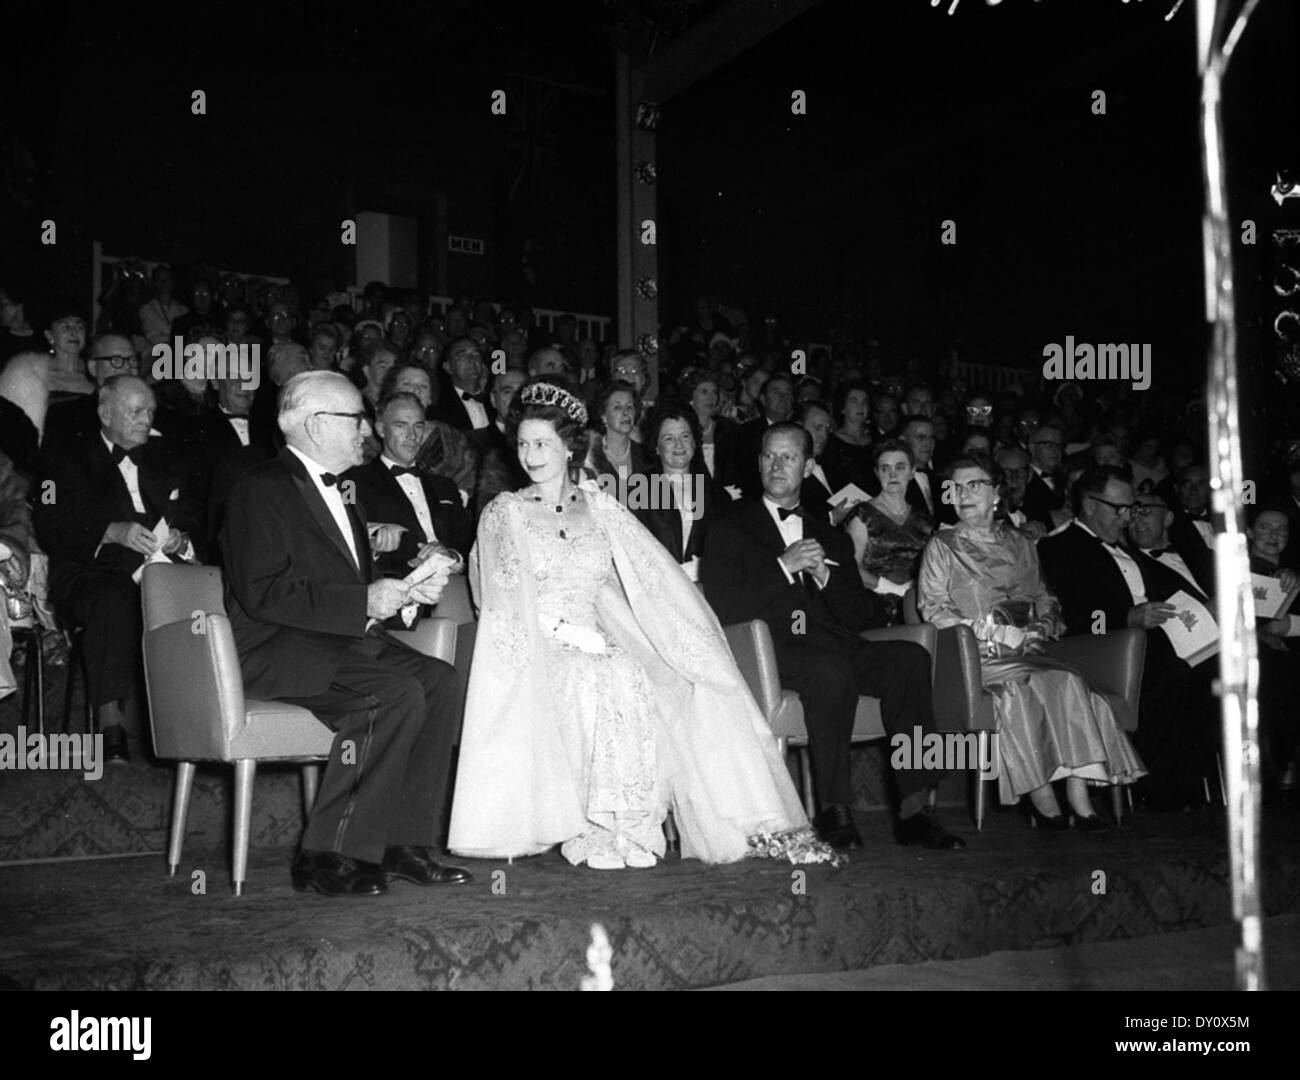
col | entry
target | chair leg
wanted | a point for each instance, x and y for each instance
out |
(180, 809)
(310, 784)
(805, 769)
(670, 832)
(245, 771)
(69, 684)
(982, 743)
(36, 651)
(91, 722)
(1117, 803)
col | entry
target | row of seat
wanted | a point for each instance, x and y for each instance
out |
(199, 712)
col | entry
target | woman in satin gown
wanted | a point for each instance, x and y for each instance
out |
(1051, 725)
(602, 691)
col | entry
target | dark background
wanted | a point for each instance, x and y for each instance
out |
(1067, 222)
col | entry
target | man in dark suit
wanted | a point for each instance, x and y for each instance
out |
(305, 609)
(107, 491)
(769, 561)
(465, 407)
(742, 448)
(815, 496)
(1045, 493)
(233, 442)
(425, 507)
(1104, 584)
(75, 420)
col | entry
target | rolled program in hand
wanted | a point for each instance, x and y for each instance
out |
(436, 563)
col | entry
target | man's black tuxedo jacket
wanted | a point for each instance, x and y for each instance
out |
(383, 500)
(89, 493)
(665, 522)
(1040, 500)
(1086, 580)
(452, 409)
(295, 598)
(742, 580)
(224, 460)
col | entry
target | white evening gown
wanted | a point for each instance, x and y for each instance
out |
(589, 749)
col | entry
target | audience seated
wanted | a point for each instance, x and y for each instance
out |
(847, 457)
(108, 491)
(1104, 584)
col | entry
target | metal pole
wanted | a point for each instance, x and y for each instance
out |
(1238, 666)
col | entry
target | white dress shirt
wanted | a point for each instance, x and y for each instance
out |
(1178, 565)
(131, 474)
(333, 500)
(414, 492)
(1127, 566)
(478, 414)
(923, 482)
(791, 530)
(239, 424)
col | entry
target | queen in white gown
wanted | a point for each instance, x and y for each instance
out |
(602, 691)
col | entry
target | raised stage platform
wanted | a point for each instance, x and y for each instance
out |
(85, 902)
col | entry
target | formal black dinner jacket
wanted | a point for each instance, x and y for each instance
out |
(1040, 500)
(83, 491)
(1085, 578)
(743, 580)
(295, 598)
(385, 501)
(665, 522)
(451, 408)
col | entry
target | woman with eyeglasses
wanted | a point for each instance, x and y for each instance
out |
(984, 574)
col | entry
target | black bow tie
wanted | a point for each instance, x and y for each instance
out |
(1155, 553)
(783, 513)
(329, 479)
(465, 395)
(120, 452)
(403, 470)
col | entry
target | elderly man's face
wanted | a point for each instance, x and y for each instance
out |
(402, 430)
(1108, 513)
(127, 415)
(783, 466)
(919, 436)
(548, 362)
(818, 424)
(1149, 525)
(1015, 473)
(337, 442)
(1045, 449)
(504, 388)
(465, 366)
(232, 397)
(113, 355)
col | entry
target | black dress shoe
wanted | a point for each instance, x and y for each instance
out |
(418, 866)
(1051, 822)
(923, 828)
(835, 827)
(333, 874)
(1093, 822)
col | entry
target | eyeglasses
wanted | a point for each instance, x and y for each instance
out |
(1122, 509)
(357, 418)
(116, 361)
(970, 486)
(979, 410)
(1146, 511)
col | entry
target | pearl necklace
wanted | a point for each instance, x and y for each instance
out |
(560, 507)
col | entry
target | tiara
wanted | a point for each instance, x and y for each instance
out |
(550, 394)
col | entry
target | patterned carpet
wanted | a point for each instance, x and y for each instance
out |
(122, 923)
